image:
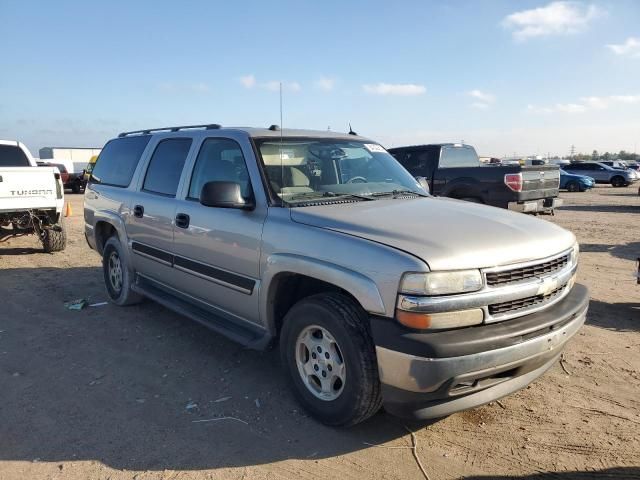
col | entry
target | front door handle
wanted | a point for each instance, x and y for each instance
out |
(138, 211)
(182, 220)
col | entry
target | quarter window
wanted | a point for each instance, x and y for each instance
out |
(165, 167)
(118, 160)
(219, 160)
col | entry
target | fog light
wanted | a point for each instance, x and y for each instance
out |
(440, 321)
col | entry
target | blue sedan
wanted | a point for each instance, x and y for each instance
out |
(575, 183)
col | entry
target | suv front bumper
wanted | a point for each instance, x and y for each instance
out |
(544, 205)
(431, 375)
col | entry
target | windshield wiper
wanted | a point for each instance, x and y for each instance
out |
(321, 196)
(398, 193)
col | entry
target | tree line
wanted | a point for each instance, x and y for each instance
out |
(597, 157)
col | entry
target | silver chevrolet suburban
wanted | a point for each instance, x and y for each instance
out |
(378, 293)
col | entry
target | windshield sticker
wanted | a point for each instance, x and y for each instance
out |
(373, 147)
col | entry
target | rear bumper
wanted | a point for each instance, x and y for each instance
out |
(535, 206)
(494, 361)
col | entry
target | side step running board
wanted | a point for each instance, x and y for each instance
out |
(251, 337)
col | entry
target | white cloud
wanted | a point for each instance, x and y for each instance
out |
(325, 83)
(274, 86)
(587, 103)
(248, 81)
(483, 99)
(557, 108)
(402, 89)
(625, 98)
(556, 18)
(570, 107)
(630, 48)
(482, 96)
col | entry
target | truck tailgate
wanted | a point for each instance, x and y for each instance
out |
(27, 188)
(540, 182)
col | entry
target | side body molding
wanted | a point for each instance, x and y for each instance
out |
(361, 287)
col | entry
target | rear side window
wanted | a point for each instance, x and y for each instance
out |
(165, 167)
(13, 156)
(452, 157)
(119, 159)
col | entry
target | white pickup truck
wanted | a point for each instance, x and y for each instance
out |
(31, 198)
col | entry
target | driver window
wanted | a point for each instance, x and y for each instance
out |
(219, 160)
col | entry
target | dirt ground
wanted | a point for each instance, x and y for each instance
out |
(119, 393)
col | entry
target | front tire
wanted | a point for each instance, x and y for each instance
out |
(54, 239)
(618, 181)
(573, 187)
(329, 356)
(117, 277)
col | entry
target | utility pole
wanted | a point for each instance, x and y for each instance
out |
(572, 151)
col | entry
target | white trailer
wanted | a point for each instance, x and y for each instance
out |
(75, 159)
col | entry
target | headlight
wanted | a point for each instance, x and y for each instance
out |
(441, 283)
(575, 253)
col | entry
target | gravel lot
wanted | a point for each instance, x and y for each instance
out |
(117, 393)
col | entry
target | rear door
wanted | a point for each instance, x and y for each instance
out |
(153, 206)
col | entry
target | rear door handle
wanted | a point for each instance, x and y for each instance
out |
(138, 211)
(182, 220)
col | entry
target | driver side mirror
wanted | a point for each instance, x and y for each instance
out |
(424, 183)
(224, 195)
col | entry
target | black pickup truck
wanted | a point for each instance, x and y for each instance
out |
(454, 170)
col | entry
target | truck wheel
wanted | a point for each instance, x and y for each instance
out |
(329, 356)
(573, 186)
(76, 188)
(54, 239)
(117, 278)
(618, 181)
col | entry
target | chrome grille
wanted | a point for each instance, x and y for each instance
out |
(523, 303)
(505, 277)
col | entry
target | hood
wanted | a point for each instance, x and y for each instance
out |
(447, 234)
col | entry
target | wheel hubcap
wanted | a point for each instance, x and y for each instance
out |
(115, 271)
(320, 363)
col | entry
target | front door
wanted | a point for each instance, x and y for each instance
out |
(217, 250)
(153, 208)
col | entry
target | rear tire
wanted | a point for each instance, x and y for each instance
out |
(573, 187)
(76, 188)
(54, 240)
(618, 181)
(350, 368)
(117, 277)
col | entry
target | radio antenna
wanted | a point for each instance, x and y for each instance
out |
(281, 144)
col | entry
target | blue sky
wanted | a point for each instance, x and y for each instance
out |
(526, 77)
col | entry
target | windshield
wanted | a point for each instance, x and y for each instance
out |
(302, 170)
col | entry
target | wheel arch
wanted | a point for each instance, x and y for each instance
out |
(289, 278)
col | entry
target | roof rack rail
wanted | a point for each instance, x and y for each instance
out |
(147, 131)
